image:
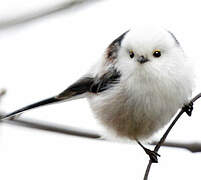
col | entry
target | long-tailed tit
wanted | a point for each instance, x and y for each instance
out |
(136, 87)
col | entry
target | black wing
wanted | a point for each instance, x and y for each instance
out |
(82, 86)
(106, 81)
(93, 85)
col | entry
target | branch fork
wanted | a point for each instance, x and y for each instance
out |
(188, 108)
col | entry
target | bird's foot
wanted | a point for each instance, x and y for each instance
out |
(152, 155)
(188, 108)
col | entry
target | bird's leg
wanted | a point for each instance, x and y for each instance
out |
(152, 154)
(188, 108)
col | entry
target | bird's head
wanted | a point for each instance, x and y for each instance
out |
(146, 49)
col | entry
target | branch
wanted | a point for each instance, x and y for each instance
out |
(26, 17)
(68, 130)
(51, 127)
(194, 147)
(162, 140)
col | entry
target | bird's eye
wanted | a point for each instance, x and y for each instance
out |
(157, 53)
(131, 53)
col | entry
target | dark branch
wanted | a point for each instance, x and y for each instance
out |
(52, 127)
(2, 92)
(162, 140)
(194, 147)
(67, 130)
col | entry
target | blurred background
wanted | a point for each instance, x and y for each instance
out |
(45, 46)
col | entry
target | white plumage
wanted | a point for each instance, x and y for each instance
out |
(137, 86)
(149, 94)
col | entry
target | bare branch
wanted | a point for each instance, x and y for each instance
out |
(159, 144)
(67, 130)
(42, 12)
(2, 92)
(194, 147)
(51, 127)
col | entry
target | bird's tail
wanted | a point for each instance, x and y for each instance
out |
(32, 106)
(77, 90)
(48, 101)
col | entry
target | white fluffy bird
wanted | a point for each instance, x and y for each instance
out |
(137, 86)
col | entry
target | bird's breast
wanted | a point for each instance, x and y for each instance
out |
(138, 107)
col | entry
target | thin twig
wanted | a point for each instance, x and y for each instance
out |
(159, 144)
(52, 127)
(22, 18)
(193, 147)
(2, 92)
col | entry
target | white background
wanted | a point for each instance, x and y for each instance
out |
(41, 57)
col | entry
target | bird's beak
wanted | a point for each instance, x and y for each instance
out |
(142, 60)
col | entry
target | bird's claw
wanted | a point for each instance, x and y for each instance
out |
(188, 108)
(152, 155)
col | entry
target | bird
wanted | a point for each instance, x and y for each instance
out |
(136, 86)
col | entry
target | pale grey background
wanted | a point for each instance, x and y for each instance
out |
(42, 57)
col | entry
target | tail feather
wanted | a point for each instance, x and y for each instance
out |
(75, 91)
(31, 106)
